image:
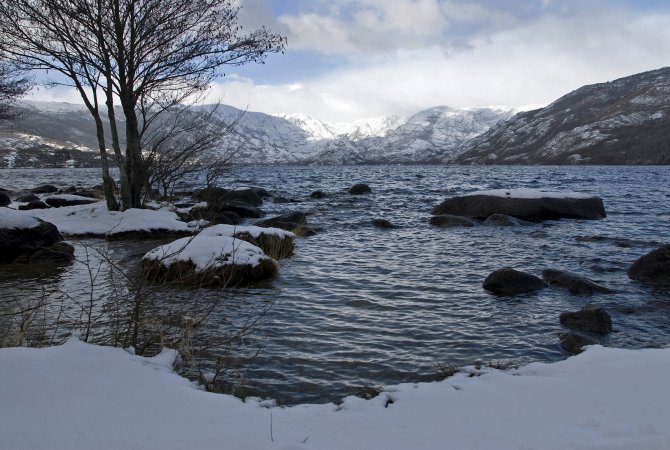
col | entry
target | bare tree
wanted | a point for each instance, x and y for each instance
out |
(187, 142)
(13, 84)
(147, 55)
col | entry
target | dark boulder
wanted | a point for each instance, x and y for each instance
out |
(295, 222)
(27, 198)
(21, 242)
(247, 196)
(35, 204)
(317, 194)
(652, 268)
(573, 342)
(214, 216)
(359, 189)
(383, 223)
(4, 199)
(449, 220)
(44, 189)
(573, 282)
(510, 282)
(503, 220)
(210, 195)
(593, 320)
(281, 199)
(59, 201)
(262, 192)
(530, 209)
(58, 253)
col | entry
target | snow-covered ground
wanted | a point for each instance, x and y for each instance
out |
(529, 193)
(80, 396)
(95, 219)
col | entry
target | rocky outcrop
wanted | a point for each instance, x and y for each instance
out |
(590, 319)
(508, 281)
(360, 189)
(44, 189)
(573, 282)
(450, 221)
(652, 268)
(533, 206)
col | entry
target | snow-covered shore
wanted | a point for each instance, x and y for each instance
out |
(80, 396)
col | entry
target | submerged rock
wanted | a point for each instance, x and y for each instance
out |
(533, 206)
(360, 189)
(593, 320)
(652, 268)
(504, 220)
(508, 281)
(573, 282)
(449, 220)
(573, 343)
(382, 223)
(317, 194)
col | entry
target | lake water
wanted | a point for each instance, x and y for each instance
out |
(359, 306)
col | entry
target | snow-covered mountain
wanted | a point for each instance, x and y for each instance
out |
(626, 121)
(260, 138)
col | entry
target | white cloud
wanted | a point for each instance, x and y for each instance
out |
(532, 64)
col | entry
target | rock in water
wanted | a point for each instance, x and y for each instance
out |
(382, 223)
(4, 199)
(593, 320)
(573, 282)
(317, 194)
(359, 189)
(449, 220)
(653, 268)
(573, 342)
(510, 282)
(529, 205)
(21, 237)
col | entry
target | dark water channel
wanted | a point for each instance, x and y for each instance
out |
(357, 305)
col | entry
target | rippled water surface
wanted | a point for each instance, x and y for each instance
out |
(357, 305)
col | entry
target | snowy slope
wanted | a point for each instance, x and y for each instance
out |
(625, 121)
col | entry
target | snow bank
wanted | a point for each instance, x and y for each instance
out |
(95, 219)
(207, 252)
(11, 219)
(79, 396)
(69, 197)
(529, 193)
(253, 231)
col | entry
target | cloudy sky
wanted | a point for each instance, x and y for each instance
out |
(354, 59)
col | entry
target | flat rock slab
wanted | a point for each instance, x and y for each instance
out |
(533, 206)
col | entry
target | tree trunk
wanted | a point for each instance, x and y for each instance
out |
(126, 201)
(108, 184)
(135, 169)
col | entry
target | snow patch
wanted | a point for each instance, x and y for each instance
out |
(11, 219)
(529, 193)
